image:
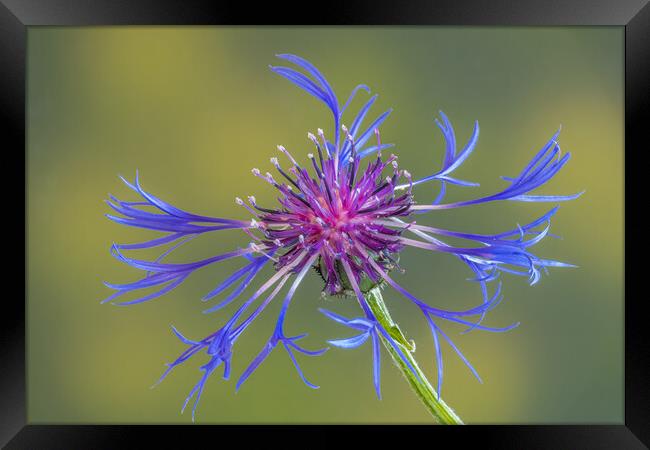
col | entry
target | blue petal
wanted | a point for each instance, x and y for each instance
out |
(228, 281)
(371, 129)
(355, 127)
(436, 343)
(297, 366)
(376, 364)
(309, 67)
(254, 365)
(460, 354)
(370, 150)
(164, 290)
(151, 243)
(546, 198)
(304, 83)
(354, 92)
(351, 342)
(183, 338)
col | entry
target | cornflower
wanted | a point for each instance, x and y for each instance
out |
(349, 220)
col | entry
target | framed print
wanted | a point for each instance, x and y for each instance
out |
(413, 217)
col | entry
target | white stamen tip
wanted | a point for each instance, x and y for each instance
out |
(394, 164)
(350, 159)
(311, 136)
(407, 174)
(255, 171)
(344, 128)
(239, 201)
(301, 238)
(251, 199)
(281, 148)
(275, 161)
(320, 132)
(254, 223)
(388, 179)
(278, 242)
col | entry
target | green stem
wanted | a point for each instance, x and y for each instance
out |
(442, 413)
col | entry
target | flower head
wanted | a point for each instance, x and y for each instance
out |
(348, 214)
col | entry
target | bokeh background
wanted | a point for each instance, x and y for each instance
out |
(194, 109)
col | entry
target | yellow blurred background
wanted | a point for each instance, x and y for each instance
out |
(195, 108)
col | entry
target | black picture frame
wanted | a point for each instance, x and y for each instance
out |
(634, 15)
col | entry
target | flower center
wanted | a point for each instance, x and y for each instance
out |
(339, 212)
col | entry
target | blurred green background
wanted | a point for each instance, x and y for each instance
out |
(194, 109)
